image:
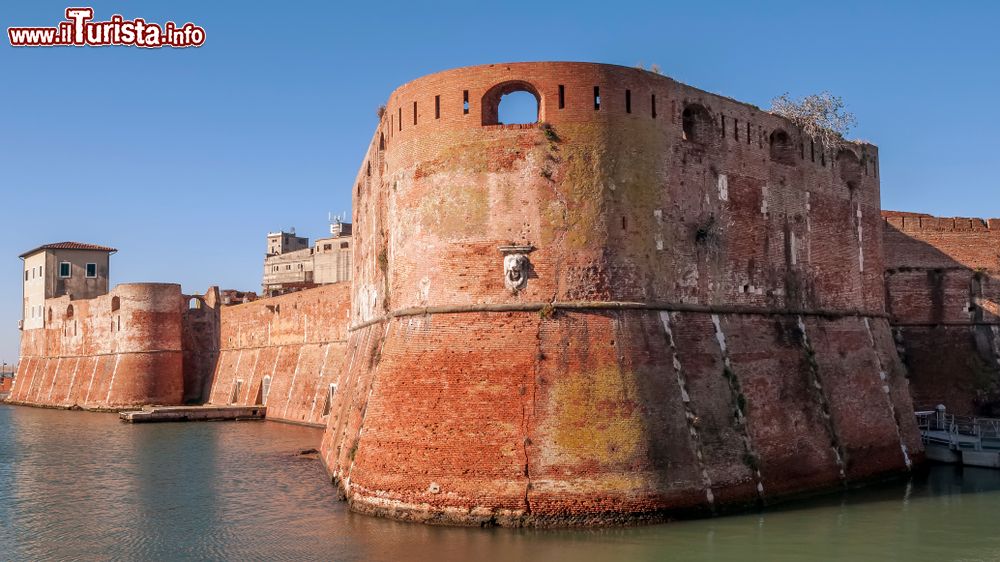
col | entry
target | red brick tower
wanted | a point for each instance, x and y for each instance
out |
(118, 350)
(655, 301)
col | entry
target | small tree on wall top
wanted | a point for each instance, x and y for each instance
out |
(821, 116)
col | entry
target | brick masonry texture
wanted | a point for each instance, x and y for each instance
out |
(944, 298)
(292, 346)
(703, 326)
(115, 351)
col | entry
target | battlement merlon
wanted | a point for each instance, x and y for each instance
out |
(912, 222)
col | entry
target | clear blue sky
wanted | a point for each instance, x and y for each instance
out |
(184, 159)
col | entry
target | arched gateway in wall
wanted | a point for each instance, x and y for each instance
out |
(630, 310)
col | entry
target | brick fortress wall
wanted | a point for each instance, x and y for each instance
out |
(944, 297)
(118, 350)
(284, 352)
(702, 326)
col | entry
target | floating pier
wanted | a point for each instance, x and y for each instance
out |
(193, 413)
(969, 441)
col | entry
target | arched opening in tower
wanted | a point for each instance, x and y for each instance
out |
(517, 108)
(512, 103)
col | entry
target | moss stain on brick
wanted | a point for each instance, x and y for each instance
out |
(596, 416)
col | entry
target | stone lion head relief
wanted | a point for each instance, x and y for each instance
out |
(515, 271)
(515, 266)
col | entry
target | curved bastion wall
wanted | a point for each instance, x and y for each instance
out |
(656, 302)
(285, 352)
(118, 350)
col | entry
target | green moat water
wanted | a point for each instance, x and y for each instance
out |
(83, 486)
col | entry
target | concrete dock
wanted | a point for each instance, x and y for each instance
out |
(193, 413)
(970, 441)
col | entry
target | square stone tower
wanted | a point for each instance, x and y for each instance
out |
(75, 269)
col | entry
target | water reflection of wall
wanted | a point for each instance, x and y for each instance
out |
(82, 503)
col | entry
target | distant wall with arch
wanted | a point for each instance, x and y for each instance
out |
(285, 352)
(200, 335)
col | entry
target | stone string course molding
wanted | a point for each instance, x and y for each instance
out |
(701, 328)
(597, 305)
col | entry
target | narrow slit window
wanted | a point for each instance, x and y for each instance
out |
(562, 96)
(652, 102)
(465, 102)
(597, 98)
(330, 393)
(400, 119)
(748, 132)
(414, 113)
(437, 107)
(265, 389)
(723, 126)
(812, 151)
(235, 396)
(736, 129)
(628, 101)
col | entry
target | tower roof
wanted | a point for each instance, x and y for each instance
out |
(69, 246)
